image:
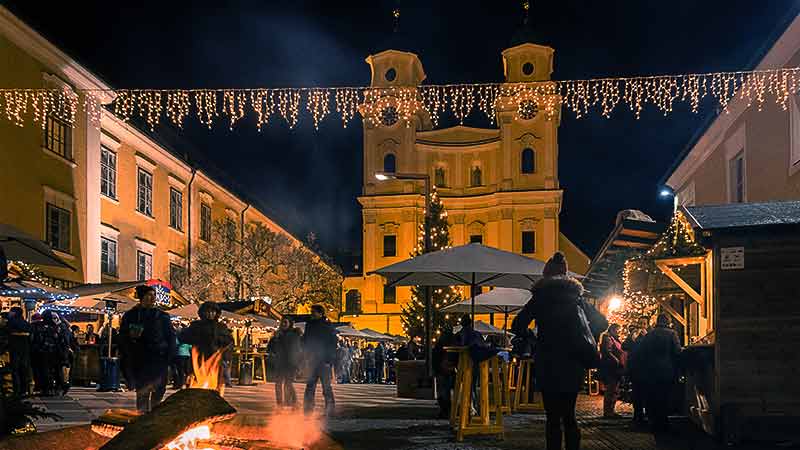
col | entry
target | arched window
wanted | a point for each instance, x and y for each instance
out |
(528, 163)
(390, 163)
(439, 177)
(352, 302)
(475, 176)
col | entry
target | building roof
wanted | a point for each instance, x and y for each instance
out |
(740, 215)
(776, 52)
(458, 136)
(633, 233)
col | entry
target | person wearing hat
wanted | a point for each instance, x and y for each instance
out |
(565, 348)
(657, 356)
(208, 335)
(146, 344)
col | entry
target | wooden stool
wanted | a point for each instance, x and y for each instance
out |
(525, 398)
(262, 358)
(460, 417)
(506, 375)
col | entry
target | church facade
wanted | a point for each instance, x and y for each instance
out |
(499, 185)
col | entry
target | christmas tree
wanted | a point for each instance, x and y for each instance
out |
(413, 317)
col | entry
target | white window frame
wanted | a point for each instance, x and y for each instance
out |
(148, 258)
(58, 209)
(175, 209)
(730, 181)
(111, 170)
(114, 269)
(148, 191)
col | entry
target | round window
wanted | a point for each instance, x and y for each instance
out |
(390, 74)
(527, 109)
(527, 68)
(389, 116)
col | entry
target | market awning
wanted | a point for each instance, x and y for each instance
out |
(485, 329)
(96, 304)
(189, 312)
(375, 336)
(348, 331)
(21, 288)
(16, 245)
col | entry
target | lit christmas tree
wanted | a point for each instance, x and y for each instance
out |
(413, 317)
(639, 306)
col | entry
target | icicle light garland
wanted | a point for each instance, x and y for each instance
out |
(580, 97)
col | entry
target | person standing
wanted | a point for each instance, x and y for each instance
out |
(565, 348)
(444, 365)
(612, 366)
(369, 363)
(90, 337)
(630, 345)
(656, 359)
(208, 335)
(50, 349)
(319, 343)
(19, 348)
(285, 349)
(146, 345)
(380, 361)
(182, 364)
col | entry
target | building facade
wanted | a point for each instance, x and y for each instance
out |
(110, 200)
(499, 185)
(748, 154)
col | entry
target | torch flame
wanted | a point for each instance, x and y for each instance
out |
(206, 371)
(189, 439)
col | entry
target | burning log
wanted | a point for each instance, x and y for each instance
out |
(182, 411)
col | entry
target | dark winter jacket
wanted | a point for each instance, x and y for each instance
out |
(284, 349)
(146, 344)
(554, 305)
(320, 342)
(444, 362)
(50, 341)
(629, 346)
(208, 336)
(656, 356)
(612, 359)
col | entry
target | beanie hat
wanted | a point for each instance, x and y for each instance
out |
(555, 266)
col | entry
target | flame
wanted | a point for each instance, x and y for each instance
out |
(188, 440)
(293, 430)
(206, 371)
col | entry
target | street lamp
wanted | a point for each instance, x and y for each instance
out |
(668, 192)
(426, 226)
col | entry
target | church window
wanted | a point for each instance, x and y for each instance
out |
(389, 294)
(528, 242)
(527, 69)
(439, 180)
(390, 163)
(389, 245)
(476, 239)
(390, 74)
(352, 302)
(475, 176)
(528, 163)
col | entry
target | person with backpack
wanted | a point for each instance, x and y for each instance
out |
(146, 345)
(565, 348)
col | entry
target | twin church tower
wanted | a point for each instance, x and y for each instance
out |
(499, 185)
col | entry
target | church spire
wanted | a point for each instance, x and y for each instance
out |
(524, 33)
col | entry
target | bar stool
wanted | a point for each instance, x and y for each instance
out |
(525, 397)
(460, 417)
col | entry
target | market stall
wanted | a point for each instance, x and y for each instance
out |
(731, 274)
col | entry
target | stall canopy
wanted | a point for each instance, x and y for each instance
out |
(125, 289)
(96, 304)
(17, 245)
(33, 290)
(484, 329)
(189, 312)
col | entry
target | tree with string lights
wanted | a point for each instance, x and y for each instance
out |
(413, 315)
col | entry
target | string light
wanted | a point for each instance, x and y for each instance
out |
(579, 97)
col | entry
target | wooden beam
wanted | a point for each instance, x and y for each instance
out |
(679, 281)
(672, 312)
(682, 260)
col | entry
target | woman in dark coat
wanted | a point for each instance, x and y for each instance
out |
(284, 349)
(563, 349)
(208, 335)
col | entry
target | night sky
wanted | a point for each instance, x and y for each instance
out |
(308, 180)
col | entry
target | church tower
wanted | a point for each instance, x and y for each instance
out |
(499, 185)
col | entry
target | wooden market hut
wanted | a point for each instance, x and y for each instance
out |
(742, 367)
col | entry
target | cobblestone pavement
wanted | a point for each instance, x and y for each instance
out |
(370, 417)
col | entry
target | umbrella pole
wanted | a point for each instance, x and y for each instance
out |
(472, 288)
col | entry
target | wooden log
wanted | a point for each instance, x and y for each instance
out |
(181, 411)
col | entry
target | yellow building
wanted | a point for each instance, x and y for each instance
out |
(110, 200)
(500, 185)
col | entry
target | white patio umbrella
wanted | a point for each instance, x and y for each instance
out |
(484, 329)
(499, 300)
(470, 265)
(375, 336)
(97, 303)
(17, 245)
(348, 331)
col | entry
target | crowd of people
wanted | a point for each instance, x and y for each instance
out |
(369, 363)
